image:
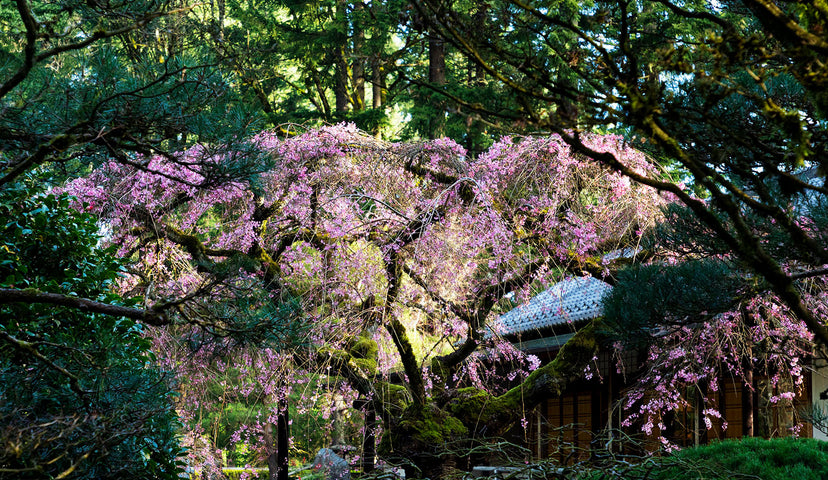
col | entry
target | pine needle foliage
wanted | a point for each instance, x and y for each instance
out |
(651, 297)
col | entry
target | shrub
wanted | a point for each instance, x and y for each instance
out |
(79, 393)
(755, 458)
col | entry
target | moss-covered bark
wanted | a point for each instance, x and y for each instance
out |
(426, 434)
(363, 351)
(478, 409)
(422, 440)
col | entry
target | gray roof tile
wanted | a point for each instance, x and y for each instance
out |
(571, 300)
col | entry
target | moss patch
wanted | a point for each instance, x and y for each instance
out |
(423, 429)
(477, 408)
(429, 424)
(395, 397)
(364, 352)
(471, 405)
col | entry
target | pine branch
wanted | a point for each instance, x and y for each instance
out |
(31, 295)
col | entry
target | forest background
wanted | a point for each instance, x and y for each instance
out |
(197, 139)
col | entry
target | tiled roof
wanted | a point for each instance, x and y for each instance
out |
(572, 300)
(626, 253)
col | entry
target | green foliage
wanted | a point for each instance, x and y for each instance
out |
(474, 131)
(301, 62)
(681, 233)
(754, 458)
(223, 423)
(90, 94)
(251, 317)
(239, 473)
(649, 296)
(310, 424)
(77, 387)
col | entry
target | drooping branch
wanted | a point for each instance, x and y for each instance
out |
(701, 15)
(394, 271)
(489, 296)
(744, 243)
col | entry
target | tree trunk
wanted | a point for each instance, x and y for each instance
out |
(421, 434)
(378, 89)
(436, 60)
(260, 94)
(341, 87)
(272, 461)
(221, 15)
(323, 97)
(377, 82)
(358, 69)
(282, 441)
(748, 393)
(277, 455)
(342, 103)
(369, 441)
(749, 387)
(480, 24)
(437, 77)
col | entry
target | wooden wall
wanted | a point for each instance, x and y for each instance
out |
(569, 428)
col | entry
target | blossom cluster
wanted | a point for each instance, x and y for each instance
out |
(687, 365)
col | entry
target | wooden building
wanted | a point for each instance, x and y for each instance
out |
(590, 415)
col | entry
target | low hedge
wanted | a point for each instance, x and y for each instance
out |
(754, 458)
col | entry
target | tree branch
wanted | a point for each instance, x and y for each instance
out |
(550, 381)
(784, 27)
(809, 274)
(32, 295)
(29, 52)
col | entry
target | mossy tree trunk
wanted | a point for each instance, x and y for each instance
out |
(427, 436)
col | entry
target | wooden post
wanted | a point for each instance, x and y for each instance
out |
(282, 441)
(748, 404)
(369, 441)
